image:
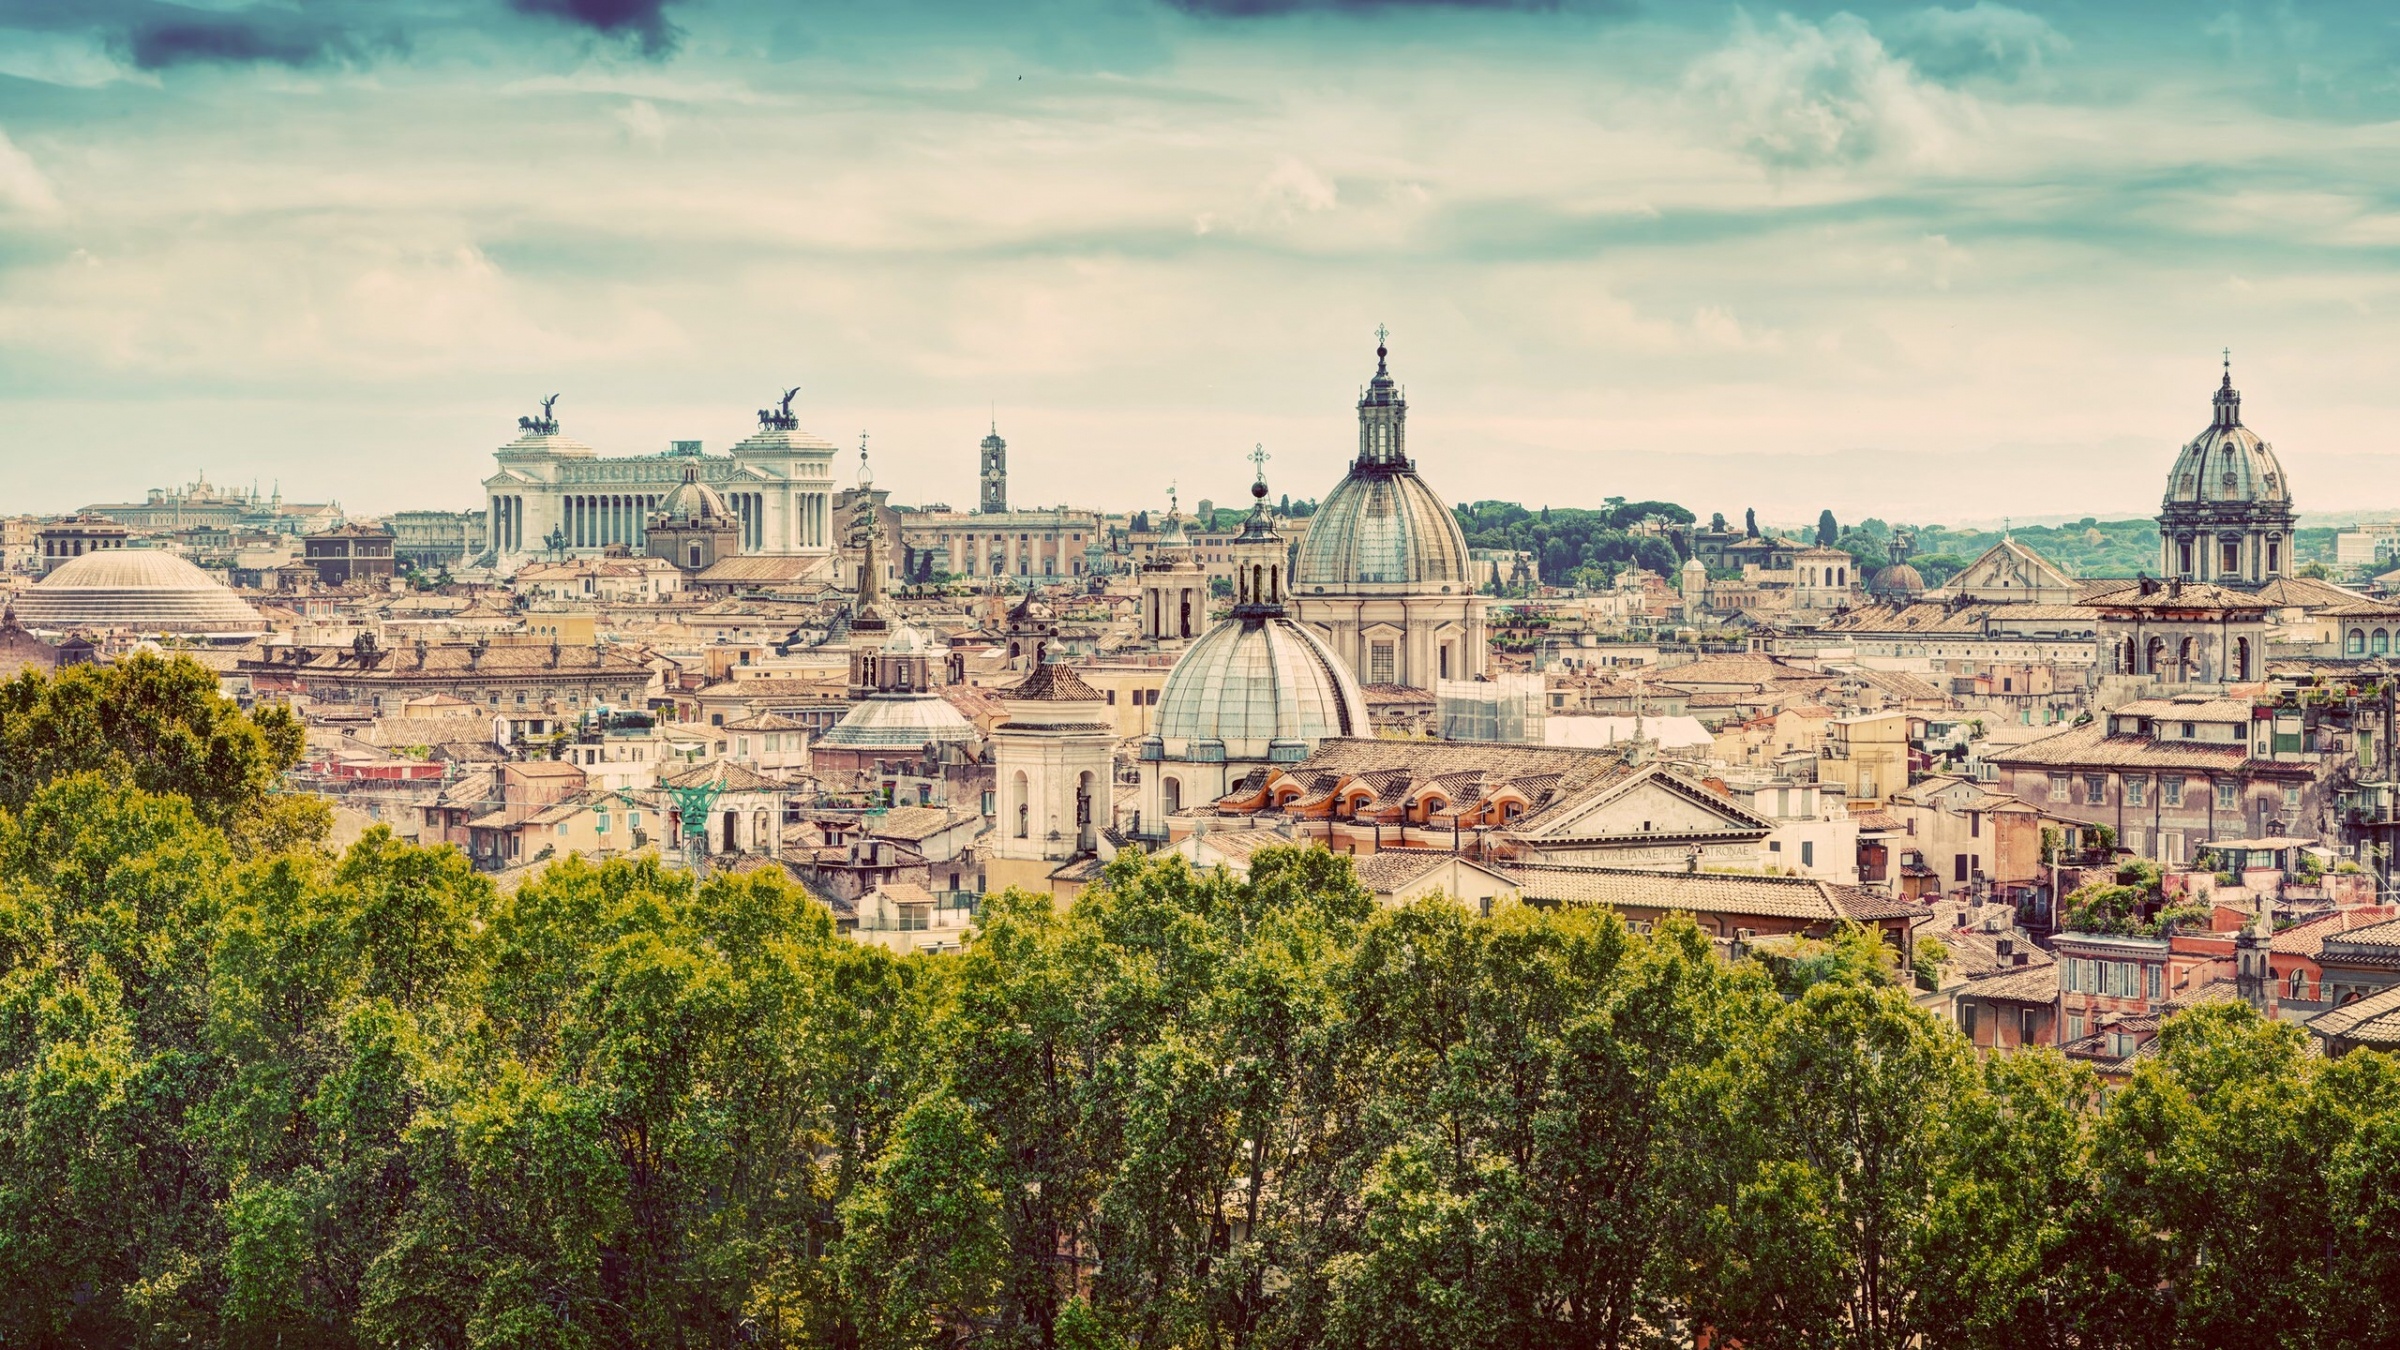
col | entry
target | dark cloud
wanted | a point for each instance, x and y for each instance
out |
(239, 37)
(643, 21)
(1264, 9)
(158, 35)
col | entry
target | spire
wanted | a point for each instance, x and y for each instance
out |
(2229, 399)
(1382, 416)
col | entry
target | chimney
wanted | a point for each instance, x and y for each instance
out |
(2004, 948)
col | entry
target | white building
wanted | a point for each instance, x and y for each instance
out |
(778, 484)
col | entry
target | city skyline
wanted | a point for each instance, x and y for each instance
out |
(1903, 261)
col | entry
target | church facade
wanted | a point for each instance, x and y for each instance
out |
(1383, 575)
(553, 493)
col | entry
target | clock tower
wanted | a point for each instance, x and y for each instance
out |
(995, 473)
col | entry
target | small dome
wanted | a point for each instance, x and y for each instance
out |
(143, 589)
(1379, 527)
(898, 722)
(1248, 684)
(1898, 581)
(2228, 462)
(694, 500)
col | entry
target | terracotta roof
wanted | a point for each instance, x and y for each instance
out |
(449, 660)
(1393, 868)
(1706, 893)
(723, 773)
(2373, 1020)
(912, 823)
(1052, 682)
(1386, 694)
(2033, 984)
(2092, 746)
(2308, 937)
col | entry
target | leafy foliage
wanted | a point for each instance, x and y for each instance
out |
(287, 1097)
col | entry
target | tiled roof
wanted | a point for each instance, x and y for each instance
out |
(2033, 984)
(2307, 938)
(2092, 746)
(450, 660)
(2189, 710)
(2373, 1020)
(1705, 893)
(1385, 694)
(912, 823)
(723, 773)
(1051, 682)
(1394, 868)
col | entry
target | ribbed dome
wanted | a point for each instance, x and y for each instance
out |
(1897, 581)
(1381, 528)
(142, 589)
(898, 722)
(694, 500)
(2228, 462)
(1251, 683)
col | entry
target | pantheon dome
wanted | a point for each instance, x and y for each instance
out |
(2227, 515)
(141, 590)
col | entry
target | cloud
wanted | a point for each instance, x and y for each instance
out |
(22, 184)
(1984, 39)
(161, 36)
(643, 124)
(1266, 9)
(642, 21)
(1802, 95)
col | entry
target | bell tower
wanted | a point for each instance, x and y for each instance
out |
(994, 477)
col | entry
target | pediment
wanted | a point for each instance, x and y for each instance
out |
(1652, 804)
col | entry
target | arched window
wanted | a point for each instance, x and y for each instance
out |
(2241, 658)
(1171, 794)
(1024, 806)
(2356, 645)
(2300, 984)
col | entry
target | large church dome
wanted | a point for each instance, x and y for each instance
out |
(139, 589)
(1382, 526)
(1255, 689)
(2228, 462)
(2227, 516)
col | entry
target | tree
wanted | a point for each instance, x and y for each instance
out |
(1827, 530)
(1749, 522)
(1819, 1206)
(155, 724)
(1716, 521)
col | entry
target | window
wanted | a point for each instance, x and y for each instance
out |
(2135, 790)
(560, 828)
(2058, 787)
(1958, 867)
(2028, 1024)
(1966, 1021)
(600, 822)
(1808, 853)
(2226, 799)
(2170, 790)
(2188, 732)
(633, 820)
(1379, 663)
(2095, 788)
(2158, 975)
(1974, 824)
(2291, 798)
(2231, 553)
(2074, 1026)
(2299, 984)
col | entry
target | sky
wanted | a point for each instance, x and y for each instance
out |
(1926, 263)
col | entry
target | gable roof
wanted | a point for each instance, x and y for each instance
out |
(1706, 893)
